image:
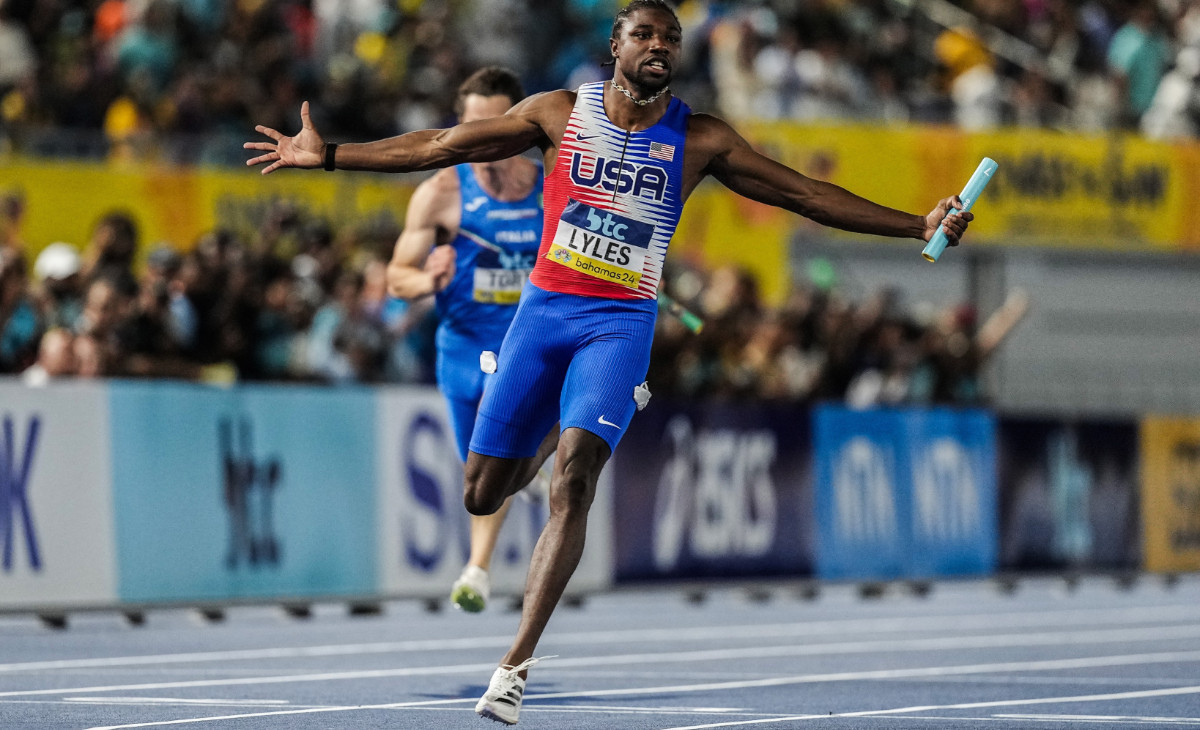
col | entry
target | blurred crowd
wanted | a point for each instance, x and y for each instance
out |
(823, 345)
(185, 79)
(304, 299)
(300, 303)
(297, 303)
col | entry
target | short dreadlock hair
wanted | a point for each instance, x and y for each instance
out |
(636, 5)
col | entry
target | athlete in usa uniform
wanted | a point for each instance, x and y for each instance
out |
(591, 316)
(612, 204)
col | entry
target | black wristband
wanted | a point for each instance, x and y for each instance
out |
(330, 152)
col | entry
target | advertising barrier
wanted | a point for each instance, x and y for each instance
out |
(423, 527)
(904, 493)
(1069, 494)
(1171, 493)
(247, 492)
(56, 518)
(713, 490)
(135, 492)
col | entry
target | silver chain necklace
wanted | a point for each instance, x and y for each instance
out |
(639, 102)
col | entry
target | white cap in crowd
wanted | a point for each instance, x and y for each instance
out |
(56, 261)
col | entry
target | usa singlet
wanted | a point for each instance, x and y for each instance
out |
(580, 342)
(612, 202)
(496, 246)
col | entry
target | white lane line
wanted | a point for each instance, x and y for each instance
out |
(957, 643)
(1139, 694)
(283, 679)
(172, 701)
(1122, 617)
(1033, 666)
(1104, 718)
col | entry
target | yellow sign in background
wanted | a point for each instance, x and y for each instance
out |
(1171, 493)
(64, 200)
(1116, 192)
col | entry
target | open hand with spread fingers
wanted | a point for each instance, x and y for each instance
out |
(305, 150)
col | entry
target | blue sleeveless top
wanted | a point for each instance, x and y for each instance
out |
(497, 245)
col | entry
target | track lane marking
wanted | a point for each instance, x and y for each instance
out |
(1059, 638)
(1134, 695)
(1099, 617)
(1032, 666)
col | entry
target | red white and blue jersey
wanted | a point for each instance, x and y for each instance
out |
(612, 203)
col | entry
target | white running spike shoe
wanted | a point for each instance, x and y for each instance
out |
(502, 701)
(472, 589)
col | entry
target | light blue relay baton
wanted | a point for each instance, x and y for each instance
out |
(968, 196)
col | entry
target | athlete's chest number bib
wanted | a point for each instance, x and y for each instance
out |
(499, 286)
(601, 243)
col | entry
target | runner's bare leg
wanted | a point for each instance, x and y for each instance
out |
(581, 456)
(485, 529)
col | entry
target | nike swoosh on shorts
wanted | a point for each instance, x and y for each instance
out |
(607, 423)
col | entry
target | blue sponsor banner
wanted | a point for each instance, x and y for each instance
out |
(905, 493)
(859, 508)
(713, 490)
(952, 472)
(245, 492)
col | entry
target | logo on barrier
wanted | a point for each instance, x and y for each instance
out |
(864, 493)
(946, 500)
(716, 490)
(249, 491)
(16, 464)
(425, 519)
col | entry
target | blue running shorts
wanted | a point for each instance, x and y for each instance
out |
(461, 381)
(566, 359)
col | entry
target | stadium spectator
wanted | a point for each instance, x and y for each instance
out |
(104, 305)
(90, 361)
(970, 78)
(20, 327)
(1138, 56)
(18, 59)
(59, 285)
(56, 358)
(110, 251)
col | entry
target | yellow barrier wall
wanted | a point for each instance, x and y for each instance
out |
(1171, 493)
(64, 199)
(1117, 193)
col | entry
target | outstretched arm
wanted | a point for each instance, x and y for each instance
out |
(484, 140)
(740, 168)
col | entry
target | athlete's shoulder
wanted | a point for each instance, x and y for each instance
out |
(709, 136)
(443, 183)
(436, 200)
(552, 103)
(705, 127)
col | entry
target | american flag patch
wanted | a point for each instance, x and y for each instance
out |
(660, 151)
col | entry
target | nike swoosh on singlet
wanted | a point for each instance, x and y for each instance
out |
(581, 138)
(607, 423)
(475, 204)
